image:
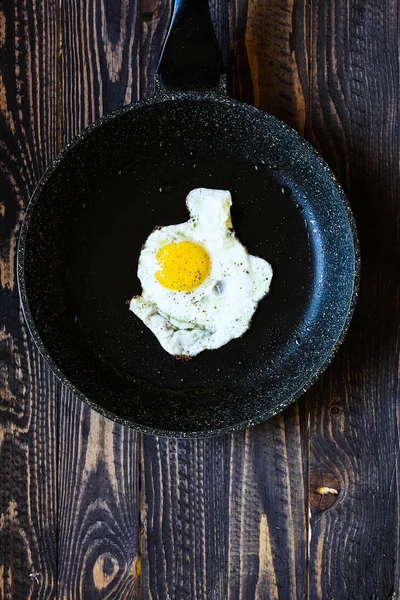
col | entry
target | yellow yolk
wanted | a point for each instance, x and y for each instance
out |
(183, 265)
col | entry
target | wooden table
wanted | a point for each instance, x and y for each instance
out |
(90, 509)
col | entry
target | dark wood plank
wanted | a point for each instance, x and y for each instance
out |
(99, 61)
(268, 56)
(98, 474)
(98, 505)
(155, 18)
(355, 417)
(226, 517)
(184, 545)
(28, 392)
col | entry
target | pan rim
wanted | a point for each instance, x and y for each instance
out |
(160, 98)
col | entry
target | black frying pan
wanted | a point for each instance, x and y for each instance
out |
(131, 171)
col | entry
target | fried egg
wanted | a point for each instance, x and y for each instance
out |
(200, 286)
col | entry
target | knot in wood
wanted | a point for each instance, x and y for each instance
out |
(336, 410)
(324, 490)
(104, 570)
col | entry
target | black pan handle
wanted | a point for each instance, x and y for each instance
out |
(191, 57)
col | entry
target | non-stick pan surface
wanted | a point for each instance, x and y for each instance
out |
(95, 207)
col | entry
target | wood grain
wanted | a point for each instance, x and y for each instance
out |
(226, 518)
(269, 55)
(99, 61)
(355, 407)
(98, 505)
(98, 460)
(28, 392)
(155, 18)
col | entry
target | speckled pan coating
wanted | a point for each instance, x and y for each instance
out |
(237, 394)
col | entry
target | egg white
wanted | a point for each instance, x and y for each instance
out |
(221, 307)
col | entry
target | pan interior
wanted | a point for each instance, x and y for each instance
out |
(92, 214)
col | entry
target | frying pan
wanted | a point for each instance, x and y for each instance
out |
(130, 171)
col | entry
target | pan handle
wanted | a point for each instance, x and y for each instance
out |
(191, 57)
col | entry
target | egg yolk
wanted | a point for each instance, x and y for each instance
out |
(183, 265)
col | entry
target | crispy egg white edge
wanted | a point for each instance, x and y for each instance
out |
(174, 335)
